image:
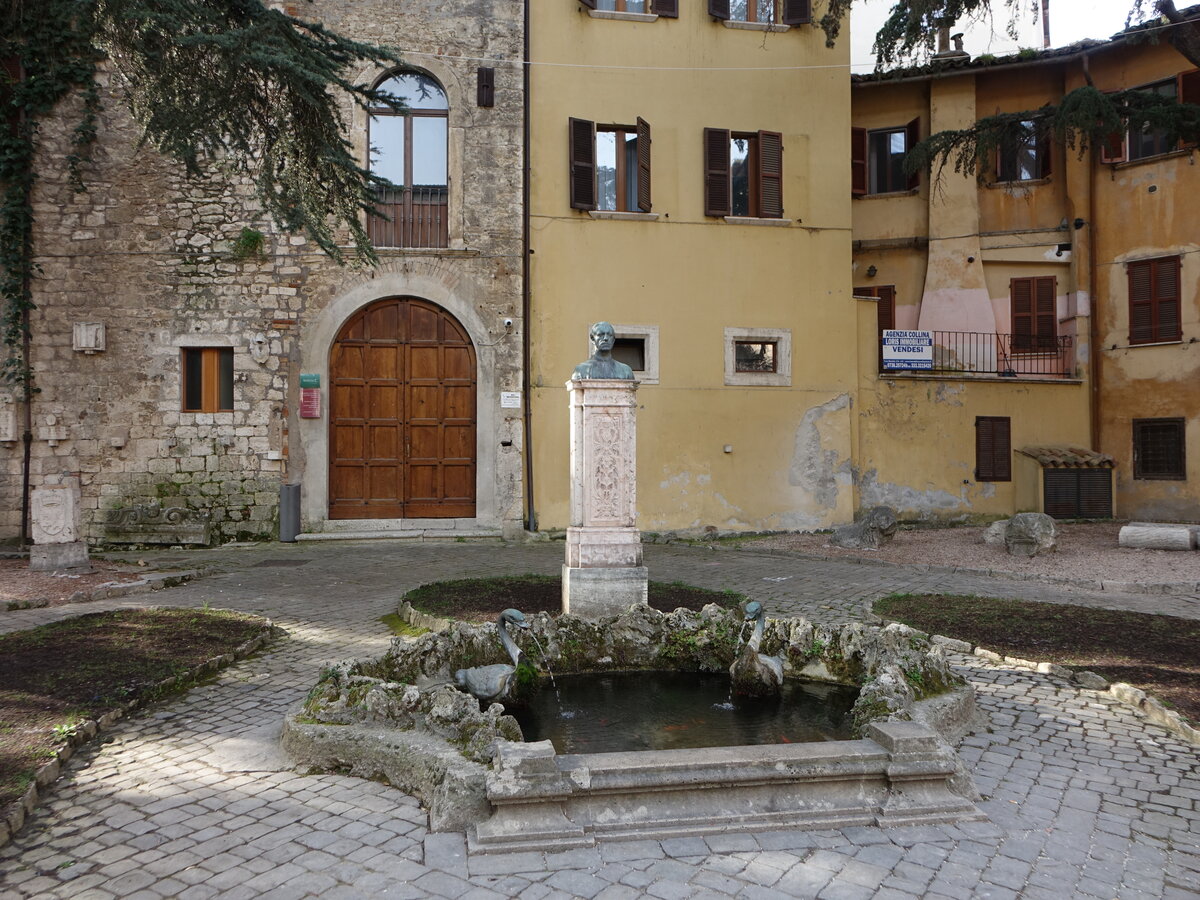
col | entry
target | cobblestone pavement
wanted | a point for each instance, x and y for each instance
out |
(192, 798)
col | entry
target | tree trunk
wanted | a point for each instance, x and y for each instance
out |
(1184, 33)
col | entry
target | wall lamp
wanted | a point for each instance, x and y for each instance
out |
(1078, 223)
(872, 271)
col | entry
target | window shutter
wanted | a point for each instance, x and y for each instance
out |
(716, 172)
(668, 9)
(797, 12)
(583, 164)
(486, 86)
(858, 161)
(643, 163)
(912, 137)
(770, 174)
(1021, 295)
(1095, 493)
(1166, 299)
(993, 448)
(1141, 303)
(590, 4)
(1045, 312)
(886, 310)
(718, 9)
(1188, 87)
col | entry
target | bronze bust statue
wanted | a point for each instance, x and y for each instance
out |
(602, 364)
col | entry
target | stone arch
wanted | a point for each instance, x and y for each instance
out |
(436, 284)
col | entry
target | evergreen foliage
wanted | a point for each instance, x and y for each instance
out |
(258, 90)
(1085, 118)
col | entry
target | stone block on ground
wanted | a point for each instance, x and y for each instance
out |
(1031, 534)
(1149, 536)
(876, 528)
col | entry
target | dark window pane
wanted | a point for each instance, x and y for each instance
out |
(754, 356)
(225, 365)
(632, 352)
(1158, 449)
(193, 378)
(887, 149)
(739, 157)
(1146, 141)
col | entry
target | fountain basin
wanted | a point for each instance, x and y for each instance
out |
(400, 718)
(898, 775)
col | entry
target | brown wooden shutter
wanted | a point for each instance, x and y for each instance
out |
(486, 86)
(590, 4)
(885, 315)
(716, 172)
(1020, 292)
(1095, 493)
(912, 137)
(1166, 299)
(1141, 303)
(1045, 312)
(797, 12)
(770, 174)
(1187, 88)
(643, 163)
(718, 9)
(993, 448)
(858, 161)
(583, 164)
(668, 9)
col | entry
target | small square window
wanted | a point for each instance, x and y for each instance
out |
(207, 379)
(631, 351)
(758, 356)
(754, 356)
(637, 347)
(1159, 452)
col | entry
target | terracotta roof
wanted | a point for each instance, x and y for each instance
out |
(1069, 457)
(937, 67)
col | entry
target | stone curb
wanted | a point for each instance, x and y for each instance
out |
(1085, 680)
(14, 817)
(1124, 587)
(151, 581)
(418, 619)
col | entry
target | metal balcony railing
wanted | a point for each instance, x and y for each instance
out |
(416, 217)
(1003, 355)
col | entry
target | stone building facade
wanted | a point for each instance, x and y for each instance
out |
(153, 258)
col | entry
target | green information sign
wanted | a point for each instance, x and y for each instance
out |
(311, 380)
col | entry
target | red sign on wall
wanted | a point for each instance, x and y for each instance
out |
(310, 403)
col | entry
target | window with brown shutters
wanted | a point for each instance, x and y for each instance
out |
(207, 380)
(797, 12)
(667, 9)
(610, 166)
(877, 159)
(743, 173)
(993, 448)
(1034, 314)
(1159, 452)
(1154, 301)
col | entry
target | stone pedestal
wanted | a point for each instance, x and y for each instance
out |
(57, 528)
(603, 573)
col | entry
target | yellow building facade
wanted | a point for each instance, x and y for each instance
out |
(726, 272)
(1060, 289)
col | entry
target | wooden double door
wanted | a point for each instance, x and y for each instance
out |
(402, 414)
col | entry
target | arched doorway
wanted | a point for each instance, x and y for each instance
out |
(402, 414)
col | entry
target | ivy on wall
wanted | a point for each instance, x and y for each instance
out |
(259, 89)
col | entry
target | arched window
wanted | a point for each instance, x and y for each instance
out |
(409, 149)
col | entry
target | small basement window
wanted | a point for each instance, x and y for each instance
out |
(207, 379)
(1158, 450)
(632, 352)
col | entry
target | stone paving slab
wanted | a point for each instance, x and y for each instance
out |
(1084, 797)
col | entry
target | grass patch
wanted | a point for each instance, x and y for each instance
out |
(56, 676)
(482, 599)
(1155, 653)
(401, 628)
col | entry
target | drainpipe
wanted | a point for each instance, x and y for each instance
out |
(1093, 304)
(530, 514)
(27, 436)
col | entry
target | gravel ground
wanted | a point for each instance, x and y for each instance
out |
(17, 583)
(1085, 551)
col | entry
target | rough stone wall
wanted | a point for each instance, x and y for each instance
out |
(148, 252)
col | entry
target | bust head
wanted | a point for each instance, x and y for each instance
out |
(603, 336)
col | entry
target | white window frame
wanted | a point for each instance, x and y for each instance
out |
(781, 377)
